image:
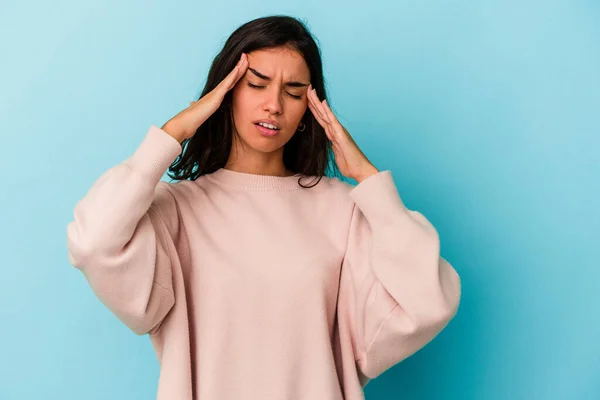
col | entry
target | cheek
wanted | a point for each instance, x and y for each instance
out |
(244, 102)
(296, 110)
(239, 109)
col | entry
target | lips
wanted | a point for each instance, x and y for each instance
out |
(266, 132)
(268, 121)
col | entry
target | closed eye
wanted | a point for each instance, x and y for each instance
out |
(262, 87)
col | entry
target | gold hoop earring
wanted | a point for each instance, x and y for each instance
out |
(301, 127)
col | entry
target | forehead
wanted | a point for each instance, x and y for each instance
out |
(279, 61)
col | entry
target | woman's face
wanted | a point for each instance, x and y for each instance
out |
(273, 90)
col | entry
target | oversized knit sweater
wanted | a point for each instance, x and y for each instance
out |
(253, 287)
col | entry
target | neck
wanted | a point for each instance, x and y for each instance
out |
(260, 170)
(257, 163)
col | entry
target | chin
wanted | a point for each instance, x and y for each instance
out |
(265, 144)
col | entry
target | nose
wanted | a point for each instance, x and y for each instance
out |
(272, 101)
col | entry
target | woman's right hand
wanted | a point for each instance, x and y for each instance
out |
(184, 125)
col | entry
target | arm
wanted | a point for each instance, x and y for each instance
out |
(123, 233)
(398, 292)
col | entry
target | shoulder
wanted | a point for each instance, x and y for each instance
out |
(176, 190)
(337, 205)
(336, 186)
(337, 192)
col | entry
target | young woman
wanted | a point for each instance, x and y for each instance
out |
(257, 275)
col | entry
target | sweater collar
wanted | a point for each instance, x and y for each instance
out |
(247, 181)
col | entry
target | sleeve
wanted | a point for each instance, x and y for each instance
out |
(398, 291)
(123, 231)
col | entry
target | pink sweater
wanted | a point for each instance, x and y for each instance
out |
(252, 287)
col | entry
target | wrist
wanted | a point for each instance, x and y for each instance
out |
(365, 173)
(173, 131)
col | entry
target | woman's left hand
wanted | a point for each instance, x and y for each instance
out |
(351, 161)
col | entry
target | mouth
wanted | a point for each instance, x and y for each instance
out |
(267, 128)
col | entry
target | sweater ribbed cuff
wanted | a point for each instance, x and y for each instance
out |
(155, 154)
(378, 198)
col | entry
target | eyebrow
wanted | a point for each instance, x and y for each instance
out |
(266, 78)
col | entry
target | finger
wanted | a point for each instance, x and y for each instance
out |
(311, 98)
(316, 105)
(324, 124)
(317, 115)
(320, 121)
(234, 75)
(242, 68)
(319, 112)
(335, 124)
(318, 108)
(329, 131)
(330, 115)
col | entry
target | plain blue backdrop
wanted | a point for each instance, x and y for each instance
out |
(487, 113)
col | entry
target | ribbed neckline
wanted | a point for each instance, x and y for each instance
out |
(246, 181)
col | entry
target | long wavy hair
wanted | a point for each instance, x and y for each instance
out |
(308, 154)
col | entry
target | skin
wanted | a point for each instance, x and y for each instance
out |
(351, 161)
(272, 99)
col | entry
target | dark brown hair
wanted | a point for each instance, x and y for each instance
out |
(308, 154)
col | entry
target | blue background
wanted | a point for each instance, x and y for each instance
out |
(487, 113)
